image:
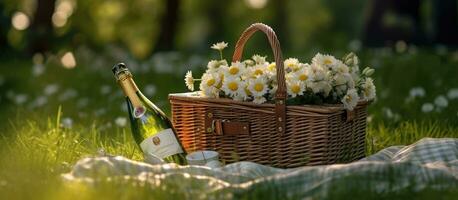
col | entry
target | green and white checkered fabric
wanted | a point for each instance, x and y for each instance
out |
(426, 150)
(427, 165)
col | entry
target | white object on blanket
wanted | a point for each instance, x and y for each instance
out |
(204, 158)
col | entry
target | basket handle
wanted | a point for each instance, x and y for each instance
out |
(280, 95)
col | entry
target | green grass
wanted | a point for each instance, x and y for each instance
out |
(40, 150)
(36, 149)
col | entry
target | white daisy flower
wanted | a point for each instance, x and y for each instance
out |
(324, 60)
(259, 59)
(258, 86)
(219, 46)
(341, 67)
(237, 69)
(189, 80)
(209, 85)
(291, 64)
(368, 89)
(234, 87)
(295, 87)
(320, 87)
(259, 100)
(350, 100)
(258, 70)
(214, 65)
(317, 73)
(341, 90)
(303, 73)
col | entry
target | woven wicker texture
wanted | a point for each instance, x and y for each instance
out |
(312, 135)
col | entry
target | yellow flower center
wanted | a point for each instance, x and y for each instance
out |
(327, 62)
(211, 82)
(271, 67)
(233, 70)
(295, 89)
(233, 86)
(258, 72)
(258, 87)
(303, 77)
(349, 98)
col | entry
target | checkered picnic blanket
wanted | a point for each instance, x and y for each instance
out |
(429, 164)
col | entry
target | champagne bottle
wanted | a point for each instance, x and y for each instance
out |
(151, 128)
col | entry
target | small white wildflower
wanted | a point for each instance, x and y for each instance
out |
(67, 122)
(150, 90)
(100, 111)
(121, 121)
(68, 94)
(350, 100)
(259, 59)
(20, 99)
(417, 92)
(219, 46)
(189, 80)
(51, 89)
(38, 69)
(105, 89)
(452, 93)
(40, 101)
(427, 107)
(83, 102)
(441, 101)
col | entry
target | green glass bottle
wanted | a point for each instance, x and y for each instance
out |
(151, 128)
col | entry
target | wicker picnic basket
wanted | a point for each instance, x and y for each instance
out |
(278, 135)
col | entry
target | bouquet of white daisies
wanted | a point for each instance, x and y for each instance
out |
(325, 80)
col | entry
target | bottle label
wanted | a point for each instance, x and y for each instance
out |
(162, 144)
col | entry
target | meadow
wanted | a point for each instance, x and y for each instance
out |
(52, 116)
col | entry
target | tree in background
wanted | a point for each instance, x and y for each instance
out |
(391, 20)
(41, 30)
(168, 26)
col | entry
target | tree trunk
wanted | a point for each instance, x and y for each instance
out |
(4, 24)
(376, 33)
(41, 30)
(280, 21)
(168, 29)
(446, 22)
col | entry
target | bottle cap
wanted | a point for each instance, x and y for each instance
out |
(120, 67)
